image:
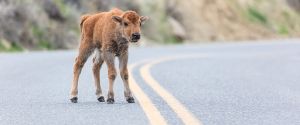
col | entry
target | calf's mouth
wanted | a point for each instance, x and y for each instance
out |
(134, 40)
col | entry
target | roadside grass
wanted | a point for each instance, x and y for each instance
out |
(282, 26)
(62, 7)
(40, 35)
(283, 30)
(255, 15)
(45, 45)
(13, 47)
(173, 40)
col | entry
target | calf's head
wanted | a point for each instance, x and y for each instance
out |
(130, 25)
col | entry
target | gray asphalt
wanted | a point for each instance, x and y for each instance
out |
(247, 83)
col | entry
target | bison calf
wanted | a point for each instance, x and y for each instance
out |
(108, 34)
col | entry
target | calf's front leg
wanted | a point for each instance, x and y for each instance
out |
(109, 58)
(123, 59)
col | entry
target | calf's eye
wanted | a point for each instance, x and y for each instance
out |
(125, 24)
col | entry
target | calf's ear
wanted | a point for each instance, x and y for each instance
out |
(117, 19)
(144, 19)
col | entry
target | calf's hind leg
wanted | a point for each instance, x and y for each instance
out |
(84, 53)
(98, 61)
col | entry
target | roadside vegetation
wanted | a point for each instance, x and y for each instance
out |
(53, 24)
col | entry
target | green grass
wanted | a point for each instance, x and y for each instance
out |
(283, 30)
(14, 47)
(45, 45)
(256, 16)
(62, 7)
(40, 35)
(2, 47)
(37, 32)
(173, 40)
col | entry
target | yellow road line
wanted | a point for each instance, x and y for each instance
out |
(181, 111)
(150, 110)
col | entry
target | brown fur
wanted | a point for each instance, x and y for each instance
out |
(109, 33)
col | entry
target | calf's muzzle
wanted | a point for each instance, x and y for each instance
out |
(135, 37)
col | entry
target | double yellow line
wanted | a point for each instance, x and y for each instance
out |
(147, 105)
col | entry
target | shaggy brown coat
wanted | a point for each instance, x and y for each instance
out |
(108, 34)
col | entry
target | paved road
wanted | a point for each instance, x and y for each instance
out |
(249, 83)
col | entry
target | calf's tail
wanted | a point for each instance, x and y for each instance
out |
(83, 18)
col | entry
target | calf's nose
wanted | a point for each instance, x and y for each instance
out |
(136, 36)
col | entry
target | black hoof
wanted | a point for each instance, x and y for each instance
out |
(130, 100)
(101, 99)
(110, 101)
(74, 99)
